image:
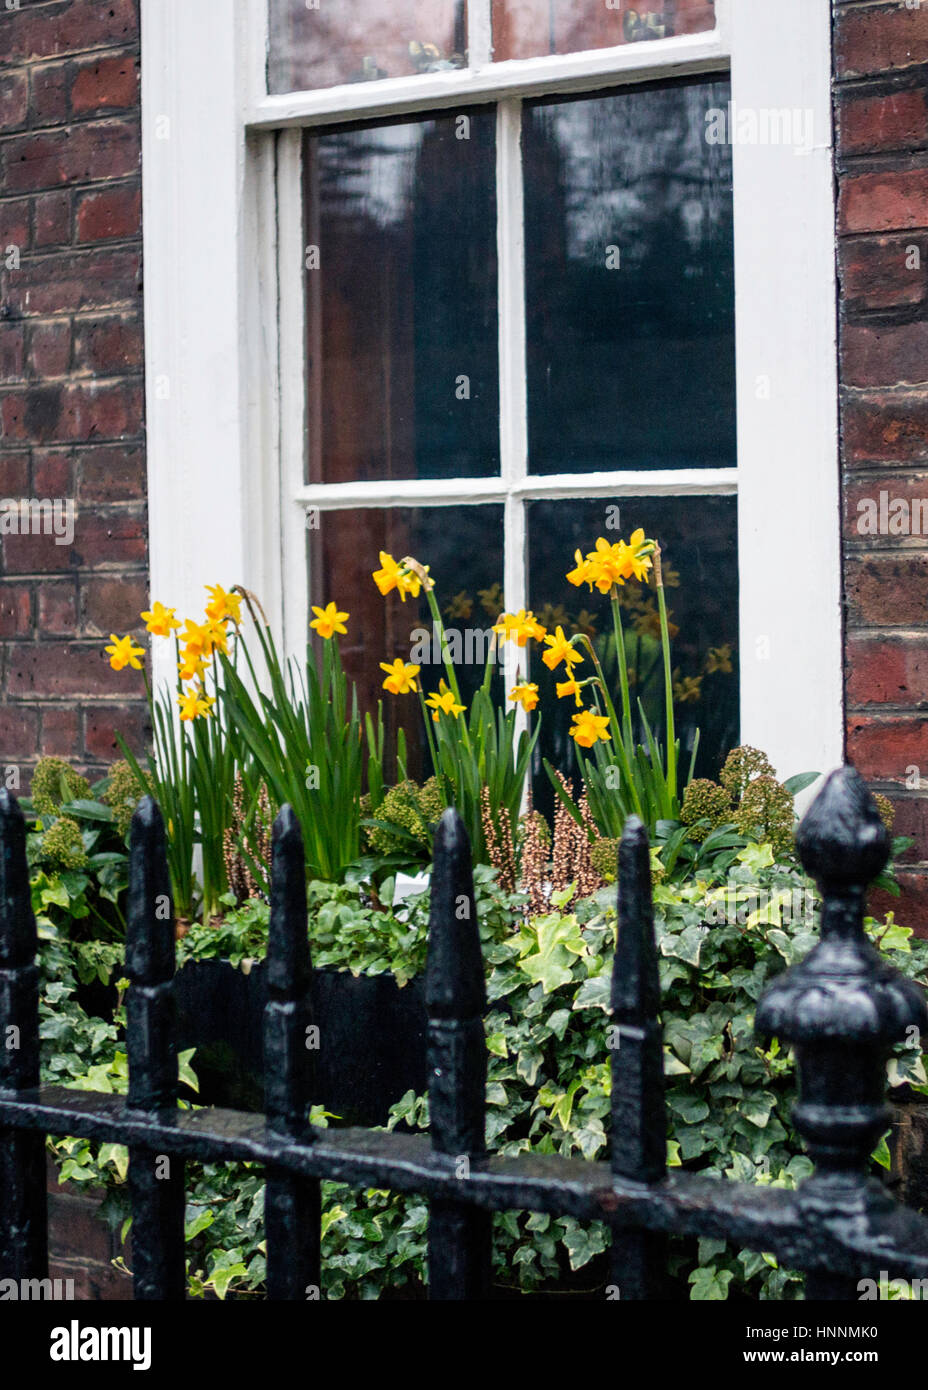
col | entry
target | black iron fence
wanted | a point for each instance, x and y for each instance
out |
(842, 1008)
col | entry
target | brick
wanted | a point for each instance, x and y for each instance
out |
(76, 1230)
(105, 84)
(119, 538)
(15, 610)
(35, 554)
(68, 282)
(886, 426)
(14, 223)
(878, 123)
(102, 724)
(887, 670)
(910, 909)
(883, 202)
(113, 604)
(887, 590)
(880, 38)
(62, 670)
(52, 219)
(18, 733)
(92, 1281)
(882, 746)
(108, 347)
(883, 272)
(109, 214)
(12, 351)
(60, 736)
(111, 473)
(49, 94)
(14, 474)
(884, 354)
(49, 348)
(911, 820)
(58, 608)
(43, 414)
(865, 498)
(52, 474)
(14, 101)
(51, 31)
(77, 154)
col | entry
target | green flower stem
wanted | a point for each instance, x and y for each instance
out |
(668, 678)
(625, 755)
(623, 666)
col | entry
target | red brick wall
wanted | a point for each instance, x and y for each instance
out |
(71, 387)
(881, 117)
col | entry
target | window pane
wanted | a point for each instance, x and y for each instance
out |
(333, 41)
(698, 542)
(532, 28)
(629, 282)
(463, 547)
(401, 305)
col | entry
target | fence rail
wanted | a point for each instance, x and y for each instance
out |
(842, 1008)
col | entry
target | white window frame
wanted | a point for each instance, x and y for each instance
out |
(226, 412)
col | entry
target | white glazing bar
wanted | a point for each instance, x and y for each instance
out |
(570, 72)
(445, 492)
(479, 34)
(513, 399)
(255, 58)
(292, 373)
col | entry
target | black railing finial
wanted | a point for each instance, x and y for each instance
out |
(843, 1007)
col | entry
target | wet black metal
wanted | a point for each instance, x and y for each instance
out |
(842, 1008)
(292, 1205)
(639, 1116)
(455, 995)
(156, 1175)
(23, 1223)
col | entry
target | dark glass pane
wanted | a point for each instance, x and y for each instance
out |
(319, 43)
(401, 307)
(629, 282)
(535, 28)
(463, 547)
(698, 542)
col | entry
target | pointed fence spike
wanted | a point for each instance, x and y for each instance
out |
(639, 1117)
(842, 1008)
(292, 1205)
(156, 1178)
(455, 992)
(23, 1218)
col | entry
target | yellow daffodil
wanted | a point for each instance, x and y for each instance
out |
(524, 694)
(396, 576)
(195, 639)
(195, 704)
(217, 639)
(718, 659)
(519, 627)
(401, 676)
(222, 605)
(444, 702)
(559, 649)
(588, 726)
(123, 653)
(580, 575)
(569, 687)
(192, 666)
(329, 620)
(160, 621)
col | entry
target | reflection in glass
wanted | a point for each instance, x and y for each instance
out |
(629, 282)
(401, 301)
(335, 41)
(463, 547)
(535, 28)
(698, 543)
